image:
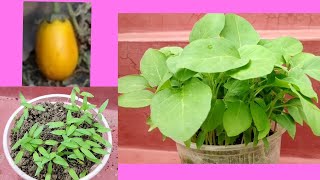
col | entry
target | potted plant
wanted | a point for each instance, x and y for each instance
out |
(228, 96)
(51, 138)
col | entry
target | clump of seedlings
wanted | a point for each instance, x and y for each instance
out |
(58, 140)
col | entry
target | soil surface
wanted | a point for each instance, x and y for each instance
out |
(54, 112)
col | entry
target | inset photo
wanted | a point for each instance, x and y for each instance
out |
(59, 133)
(219, 88)
(56, 44)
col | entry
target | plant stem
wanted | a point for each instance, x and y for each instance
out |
(56, 8)
(214, 137)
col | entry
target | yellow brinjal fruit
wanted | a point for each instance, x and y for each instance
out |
(56, 49)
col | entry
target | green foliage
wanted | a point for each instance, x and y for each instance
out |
(73, 145)
(227, 83)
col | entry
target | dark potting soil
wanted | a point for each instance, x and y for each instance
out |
(54, 112)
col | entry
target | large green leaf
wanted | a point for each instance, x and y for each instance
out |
(209, 26)
(284, 47)
(312, 68)
(299, 59)
(286, 122)
(311, 112)
(236, 89)
(171, 51)
(210, 56)
(179, 113)
(135, 99)
(299, 79)
(259, 116)
(295, 110)
(131, 83)
(236, 118)
(215, 116)
(153, 66)
(261, 62)
(239, 31)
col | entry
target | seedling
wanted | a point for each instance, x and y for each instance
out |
(75, 139)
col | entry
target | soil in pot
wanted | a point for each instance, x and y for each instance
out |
(54, 112)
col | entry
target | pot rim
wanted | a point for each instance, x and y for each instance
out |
(274, 136)
(23, 174)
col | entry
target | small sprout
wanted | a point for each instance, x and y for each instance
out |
(38, 131)
(59, 132)
(86, 94)
(44, 152)
(103, 106)
(51, 142)
(60, 161)
(33, 129)
(73, 174)
(88, 154)
(19, 157)
(57, 124)
(71, 129)
(84, 131)
(99, 151)
(83, 174)
(36, 157)
(49, 171)
(78, 154)
(73, 108)
(76, 89)
(39, 108)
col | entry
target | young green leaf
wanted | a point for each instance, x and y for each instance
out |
(78, 154)
(73, 174)
(99, 139)
(49, 170)
(87, 94)
(84, 131)
(19, 123)
(71, 129)
(71, 145)
(103, 106)
(199, 142)
(39, 108)
(75, 121)
(36, 157)
(83, 173)
(44, 152)
(59, 132)
(33, 129)
(73, 108)
(38, 131)
(17, 144)
(36, 141)
(28, 147)
(51, 142)
(76, 89)
(136, 99)
(76, 134)
(73, 96)
(93, 144)
(87, 153)
(18, 157)
(57, 124)
(61, 148)
(22, 98)
(60, 161)
(72, 156)
(101, 151)
(39, 169)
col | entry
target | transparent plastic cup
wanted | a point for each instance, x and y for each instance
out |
(52, 98)
(233, 154)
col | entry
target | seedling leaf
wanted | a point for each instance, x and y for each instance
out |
(57, 124)
(33, 129)
(51, 142)
(44, 152)
(38, 131)
(87, 94)
(87, 153)
(19, 156)
(39, 108)
(59, 132)
(99, 151)
(103, 106)
(36, 141)
(60, 161)
(73, 174)
(78, 154)
(71, 129)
